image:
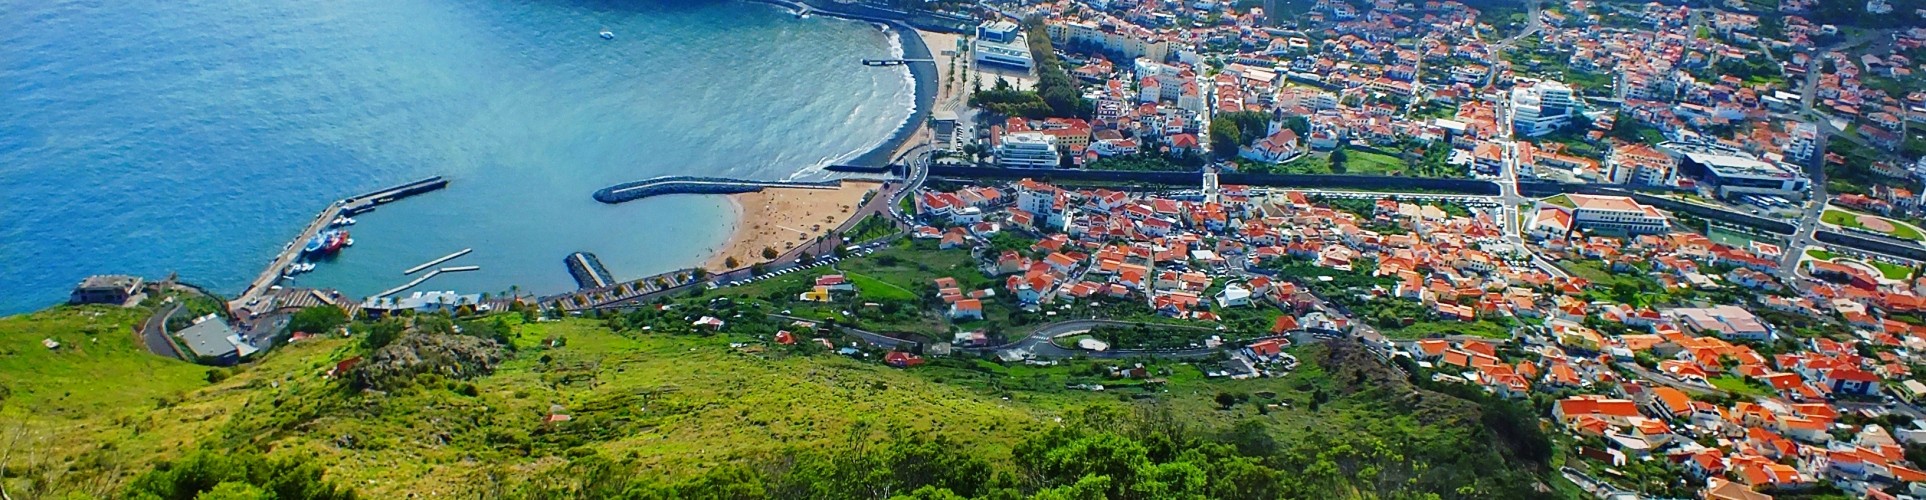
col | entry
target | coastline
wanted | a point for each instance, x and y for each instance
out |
(923, 76)
(784, 218)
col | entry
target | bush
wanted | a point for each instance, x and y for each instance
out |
(231, 474)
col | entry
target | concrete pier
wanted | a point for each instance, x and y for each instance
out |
(245, 305)
(587, 270)
(433, 263)
(630, 191)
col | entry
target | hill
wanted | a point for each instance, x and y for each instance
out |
(720, 410)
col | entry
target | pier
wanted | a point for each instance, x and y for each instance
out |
(631, 191)
(895, 62)
(243, 305)
(424, 278)
(433, 263)
(587, 270)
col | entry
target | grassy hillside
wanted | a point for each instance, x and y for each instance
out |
(659, 408)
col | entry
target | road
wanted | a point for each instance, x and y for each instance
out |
(1532, 25)
(153, 332)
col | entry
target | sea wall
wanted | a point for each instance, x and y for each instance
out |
(631, 191)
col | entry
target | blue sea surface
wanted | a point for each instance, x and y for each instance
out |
(155, 136)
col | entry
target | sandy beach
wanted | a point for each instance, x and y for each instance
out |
(784, 218)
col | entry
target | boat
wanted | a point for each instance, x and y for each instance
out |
(314, 244)
(350, 242)
(607, 35)
(336, 240)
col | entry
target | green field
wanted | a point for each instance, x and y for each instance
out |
(1847, 219)
(1740, 387)
(1893, 271)
(1369, 163)
(879, 289)
(1819, 254)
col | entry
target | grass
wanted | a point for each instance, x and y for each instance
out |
(1562, 200)
(1369, 163)
(1740, 387)
(879, 289)
(1848, 219)
(1425, 329)
(96, 343)
(1893, 271)
(1819, 254)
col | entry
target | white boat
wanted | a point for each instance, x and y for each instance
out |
(350, 242)
(608, 35)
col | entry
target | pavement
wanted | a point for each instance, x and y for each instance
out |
(153, 332)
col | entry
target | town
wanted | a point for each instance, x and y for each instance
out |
(1687, 238)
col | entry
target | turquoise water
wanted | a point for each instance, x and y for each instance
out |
(149, 136)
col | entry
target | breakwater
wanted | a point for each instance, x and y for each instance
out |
(678, 184)
(587, 270)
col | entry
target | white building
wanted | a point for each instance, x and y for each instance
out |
(1128, 39)
(1014, 54)
(1608, 213)
(1541, 109)
(1027, 150)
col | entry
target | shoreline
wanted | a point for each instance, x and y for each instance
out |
(784, 218)
(922, 76)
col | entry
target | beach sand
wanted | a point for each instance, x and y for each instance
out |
(784, 218)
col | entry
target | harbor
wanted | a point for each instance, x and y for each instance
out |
(290, 255)
(424, 279)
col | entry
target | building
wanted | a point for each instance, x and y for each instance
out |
(1725, 321)
(1125, 39)
(1616, 214)
(1028, 150)
(998, 31)
(1015, 55)
(1734, 172)
(105, 289)
(1641, 165)
(423, 302)
(213, 342)
(1541, 109)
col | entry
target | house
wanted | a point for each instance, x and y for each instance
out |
(1280, 146)
(214, 342)
(105, 289)
(1612, 411)
(966, 309)
(902, 359)
(1233, 295)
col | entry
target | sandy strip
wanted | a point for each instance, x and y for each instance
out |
(783, 218)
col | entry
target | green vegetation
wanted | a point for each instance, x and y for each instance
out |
(1236, 129)
(1893, 271)
(874, 227)
(879, 289)
(1148, 336)
(1848, 219)
(1561, 200)
(1056, 93)
(1741, 387)
(1395, 318)
(1148, 162)
(644, 424)
(1819, 254)
(317, 320)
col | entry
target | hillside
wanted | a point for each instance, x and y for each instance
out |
(674, 410)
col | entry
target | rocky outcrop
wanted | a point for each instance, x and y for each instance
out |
(457, 357)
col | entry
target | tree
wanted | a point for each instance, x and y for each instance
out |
(317, 320)
(1226, 400)
(1224, 138)
(731, 262)
(769, 253)
(1339, 159)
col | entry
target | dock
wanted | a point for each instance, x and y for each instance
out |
(244, 305)
(424, 278)
(587, 270)
(894, 62)
(433, 263)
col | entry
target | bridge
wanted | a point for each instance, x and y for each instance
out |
(677, 184)
(895, 62)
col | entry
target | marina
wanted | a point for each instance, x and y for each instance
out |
(424, 279)
(283, 263)
(436, 262)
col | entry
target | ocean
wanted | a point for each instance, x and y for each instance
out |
(196, 137)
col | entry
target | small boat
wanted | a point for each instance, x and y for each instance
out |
(607, 35)
(314, 244)
(336, 240)
(350, 242)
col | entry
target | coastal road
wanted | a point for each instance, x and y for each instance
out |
(153, 332)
